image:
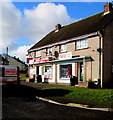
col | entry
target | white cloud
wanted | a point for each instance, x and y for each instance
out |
(21, 52)
(43, 18)
(10, 25)
(34, 25)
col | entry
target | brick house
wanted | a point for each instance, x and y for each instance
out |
(82, 49)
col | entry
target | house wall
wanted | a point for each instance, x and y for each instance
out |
(91, 69)
(108, 56)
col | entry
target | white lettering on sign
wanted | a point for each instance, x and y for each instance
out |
(10, 71)
(67, 55)
(31, 61)
(39, 60)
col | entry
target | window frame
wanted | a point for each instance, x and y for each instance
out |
(47, 71)
(49, 51)
(81, 44)
(64, 50)
(64, 72)
(38, 54)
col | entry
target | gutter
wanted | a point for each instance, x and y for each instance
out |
(65, 41)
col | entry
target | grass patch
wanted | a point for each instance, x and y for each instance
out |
(93, 97)
(23, 76)
(69, 94)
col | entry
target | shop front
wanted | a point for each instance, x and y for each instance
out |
(41, 70)
(63, 70)
(72, 68)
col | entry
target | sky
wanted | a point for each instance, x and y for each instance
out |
(23, 24)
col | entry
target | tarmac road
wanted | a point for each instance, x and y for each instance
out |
(20, 103)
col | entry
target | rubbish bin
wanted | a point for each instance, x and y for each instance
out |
(39, 78)
(73, 80)
(99, 83)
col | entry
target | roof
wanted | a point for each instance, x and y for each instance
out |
(14, 58)
(85, 26)
(3, 58)
(18, 60)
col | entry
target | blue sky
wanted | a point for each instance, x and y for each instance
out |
(85, 9)
(25, 23)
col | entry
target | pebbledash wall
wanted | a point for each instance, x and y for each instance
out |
(87, 57)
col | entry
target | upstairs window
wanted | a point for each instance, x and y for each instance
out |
(38, 53)
(81, 44)
(49, 51)
(63, 48)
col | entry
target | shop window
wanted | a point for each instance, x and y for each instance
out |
(49, 51)
(63, 48)
(47, 71)
(81, 44)
(38, 53)
(65, 71)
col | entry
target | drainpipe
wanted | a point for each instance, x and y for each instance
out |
(100, 50)
(84, 64)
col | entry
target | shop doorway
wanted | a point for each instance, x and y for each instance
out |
(81, 72)
(37, 70)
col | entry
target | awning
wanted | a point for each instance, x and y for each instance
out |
(73, 60)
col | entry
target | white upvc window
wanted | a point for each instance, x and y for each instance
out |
(63, 48)
(49, 51)
(38, 53)
(81, 44)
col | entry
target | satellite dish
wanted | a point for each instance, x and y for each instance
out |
(56, 54)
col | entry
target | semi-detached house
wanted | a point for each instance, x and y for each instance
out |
(83, 49)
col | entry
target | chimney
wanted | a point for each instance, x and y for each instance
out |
(58, 27)
(107, 8)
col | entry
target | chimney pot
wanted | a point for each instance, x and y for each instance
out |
(107, 8)
(58, 27)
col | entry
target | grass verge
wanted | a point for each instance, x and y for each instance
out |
(92, 97)
(23, 76)
(100, 98)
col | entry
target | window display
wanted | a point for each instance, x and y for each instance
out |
(47, 71)
(65, 71)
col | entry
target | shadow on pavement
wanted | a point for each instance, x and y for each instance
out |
(26, 91)
(53, 92)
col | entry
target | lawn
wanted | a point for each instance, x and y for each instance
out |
(93, 97)
(23, 76)
(71, 94)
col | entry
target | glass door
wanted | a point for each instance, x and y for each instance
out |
(81, 72)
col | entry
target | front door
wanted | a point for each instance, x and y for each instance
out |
(81, 72)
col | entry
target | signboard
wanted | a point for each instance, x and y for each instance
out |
(10, 71)
(39, 60)
(67, 55)
(28, 59)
